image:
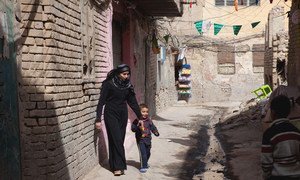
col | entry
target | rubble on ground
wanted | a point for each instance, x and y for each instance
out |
(251, 110)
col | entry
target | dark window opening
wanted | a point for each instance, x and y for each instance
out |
(280, 69)
(117, 42)
(85, 68)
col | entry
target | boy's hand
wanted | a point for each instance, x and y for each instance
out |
(140, 123)
(98, 125)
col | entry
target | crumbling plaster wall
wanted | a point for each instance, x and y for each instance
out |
(208, 85)
(277, 53)
(276, 47)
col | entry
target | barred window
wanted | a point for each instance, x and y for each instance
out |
(226, 59)
(258, 54)
(241, 2)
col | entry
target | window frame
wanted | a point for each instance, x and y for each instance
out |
(225, 3)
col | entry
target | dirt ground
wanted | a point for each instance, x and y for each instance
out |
(240, 134)
(192, 145)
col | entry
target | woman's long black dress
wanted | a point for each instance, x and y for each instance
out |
(115, 100)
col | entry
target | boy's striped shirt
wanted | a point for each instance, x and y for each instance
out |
(280, 149)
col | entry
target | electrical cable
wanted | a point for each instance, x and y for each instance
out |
(246, 11)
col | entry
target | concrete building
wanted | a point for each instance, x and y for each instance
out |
(227, 66)
(54, 54)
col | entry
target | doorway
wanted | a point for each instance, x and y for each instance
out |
(117, 43)
(10, 165)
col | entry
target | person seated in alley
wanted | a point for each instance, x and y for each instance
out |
(280, 156)
(143, 129)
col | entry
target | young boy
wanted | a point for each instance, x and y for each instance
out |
(143, 129)
(280, 144)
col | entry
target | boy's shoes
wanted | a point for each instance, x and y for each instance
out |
(143, 170)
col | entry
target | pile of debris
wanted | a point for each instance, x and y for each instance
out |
(251, 111)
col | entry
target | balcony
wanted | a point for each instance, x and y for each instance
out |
(168, 8)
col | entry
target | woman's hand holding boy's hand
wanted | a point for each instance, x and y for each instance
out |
(98, 125)
(140, 123)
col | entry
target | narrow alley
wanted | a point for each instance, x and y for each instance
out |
(78, 76)
(188, 147)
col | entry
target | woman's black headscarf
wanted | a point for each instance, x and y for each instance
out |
(114, 76)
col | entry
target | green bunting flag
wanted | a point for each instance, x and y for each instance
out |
(236, 29)
(217, 28)
(166, 37)
(199, 26)
(255, 24)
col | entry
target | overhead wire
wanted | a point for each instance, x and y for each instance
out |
(228, 13)
(248, 27)
(231, 21)
(247, 11)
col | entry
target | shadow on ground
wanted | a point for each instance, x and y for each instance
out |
(240, 136)
(133, 163)
(198, 144)
(158, 118)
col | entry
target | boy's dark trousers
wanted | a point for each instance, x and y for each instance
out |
(144, 148)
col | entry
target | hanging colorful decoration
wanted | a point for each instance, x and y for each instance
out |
(236, 5)
(155, 47)
(255, 24)
(217, 28)
(236, 29)
(199, 26)
(166, 38)
(204, 26)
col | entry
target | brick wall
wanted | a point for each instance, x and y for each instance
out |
(277, 53)
(65, 56)
(151, 81)
(276, 49)
(294, 46)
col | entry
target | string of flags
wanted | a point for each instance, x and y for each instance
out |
(204, 26)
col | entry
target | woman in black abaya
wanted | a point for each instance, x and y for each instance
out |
(116, 93)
